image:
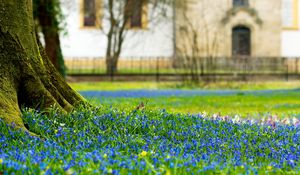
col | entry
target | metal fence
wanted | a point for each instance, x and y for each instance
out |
(185, 67)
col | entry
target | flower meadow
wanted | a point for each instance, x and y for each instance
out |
(109, 141)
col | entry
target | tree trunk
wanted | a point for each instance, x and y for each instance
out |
(47, 19)
(115, 36)
(53, 50)
(111, 65)
(27, 77)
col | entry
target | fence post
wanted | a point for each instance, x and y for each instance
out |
(286, 69)
(94, 65)
(111, 74)
(140, 65)
(157, 69)
(296, 71)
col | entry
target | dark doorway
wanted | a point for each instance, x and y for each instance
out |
(241, 41)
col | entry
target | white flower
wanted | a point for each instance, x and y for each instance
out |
(295, 120)
(215, 116)
(236, 119)
(286, 121)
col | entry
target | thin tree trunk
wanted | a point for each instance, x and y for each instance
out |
(111, 65)
(49, 24)
(115, 37)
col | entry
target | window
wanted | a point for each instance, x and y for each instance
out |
(290, 14)
(90, 13)
(136, 12)
(240, 3)
(136, 17)
(241, 41)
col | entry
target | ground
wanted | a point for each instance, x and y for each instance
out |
(255, 99)
(117, 138)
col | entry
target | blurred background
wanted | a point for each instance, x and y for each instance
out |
(171, 40)
(223, 56)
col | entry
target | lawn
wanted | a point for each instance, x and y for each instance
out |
(245, 99)
(170, 135)
(109, 86)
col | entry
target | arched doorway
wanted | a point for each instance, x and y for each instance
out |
(241, 41)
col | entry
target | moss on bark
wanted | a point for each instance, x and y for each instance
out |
(27, 77)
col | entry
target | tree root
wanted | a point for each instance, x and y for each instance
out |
(30, 82)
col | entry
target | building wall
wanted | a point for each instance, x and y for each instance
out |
(270, 38)
(154, 41)
(291, 31)
(213, 22)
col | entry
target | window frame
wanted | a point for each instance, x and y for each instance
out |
(144, 18)
(295, 16)
(99, 15)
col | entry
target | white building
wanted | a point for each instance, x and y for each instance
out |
(85, 39)
(290, 43)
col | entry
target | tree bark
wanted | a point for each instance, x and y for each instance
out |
(111, 65)
(27, 77)
(47, 20)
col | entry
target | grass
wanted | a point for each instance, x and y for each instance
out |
(112, 141)
(85, 86)
(282, 104)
